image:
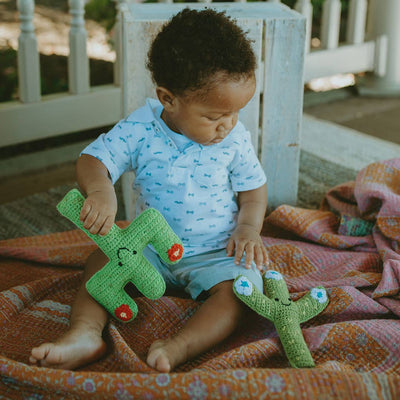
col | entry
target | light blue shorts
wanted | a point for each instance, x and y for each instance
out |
(199, 273)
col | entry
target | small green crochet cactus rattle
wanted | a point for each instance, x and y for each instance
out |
(287, 315)
(127, 263)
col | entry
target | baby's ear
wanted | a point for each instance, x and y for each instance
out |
(166, 97)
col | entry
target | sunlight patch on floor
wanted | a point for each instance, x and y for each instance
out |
(332, 82)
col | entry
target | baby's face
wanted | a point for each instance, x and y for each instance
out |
(209, 119)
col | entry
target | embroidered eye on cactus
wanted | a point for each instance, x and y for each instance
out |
(286, 314)
(124, 248)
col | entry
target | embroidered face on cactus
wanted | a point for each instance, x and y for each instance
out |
(281, 298)
(124, 255)
(286, 314)
(124, 248)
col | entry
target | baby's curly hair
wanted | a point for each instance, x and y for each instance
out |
(194, 46)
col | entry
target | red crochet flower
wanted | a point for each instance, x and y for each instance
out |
(175, 252)
(123, 312)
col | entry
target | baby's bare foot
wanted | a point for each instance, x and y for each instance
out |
(74, 349)
(165, 355)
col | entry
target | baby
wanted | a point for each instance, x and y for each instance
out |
(194, 162)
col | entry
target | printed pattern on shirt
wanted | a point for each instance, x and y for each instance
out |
(194, 188)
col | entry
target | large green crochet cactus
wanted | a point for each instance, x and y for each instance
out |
(287, 315)
(127, 263)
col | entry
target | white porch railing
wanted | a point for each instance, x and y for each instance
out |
(35, 117)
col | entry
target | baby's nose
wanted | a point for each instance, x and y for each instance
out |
(226, 125)
(222, 132)
(221, 128)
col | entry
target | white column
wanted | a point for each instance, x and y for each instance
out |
(330, 24)
(28, 56)
(305, 8)
(384, 21)
(78, 62)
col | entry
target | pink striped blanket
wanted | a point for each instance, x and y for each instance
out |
(351, 245)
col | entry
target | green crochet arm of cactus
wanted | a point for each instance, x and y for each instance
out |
(286, 314)
(127, 263)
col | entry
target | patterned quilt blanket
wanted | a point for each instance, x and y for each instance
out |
(351, 245)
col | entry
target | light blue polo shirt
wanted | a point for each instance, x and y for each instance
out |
(192, 185)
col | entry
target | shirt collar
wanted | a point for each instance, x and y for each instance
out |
(145, 114)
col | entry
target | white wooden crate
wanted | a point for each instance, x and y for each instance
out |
(274, 114)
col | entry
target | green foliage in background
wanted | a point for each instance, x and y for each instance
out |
(8, 73)
(102, 11)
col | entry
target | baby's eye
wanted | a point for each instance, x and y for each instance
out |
(213, 118)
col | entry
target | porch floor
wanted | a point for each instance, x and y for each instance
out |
(25, 174)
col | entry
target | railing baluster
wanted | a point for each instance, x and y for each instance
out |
(28, 56)
(356, 22)
(78, 62)
(330, 24)
(305, 8)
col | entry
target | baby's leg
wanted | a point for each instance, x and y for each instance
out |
(213, 322)
(83, 342)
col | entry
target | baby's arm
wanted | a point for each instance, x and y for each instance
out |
(100, 207)
(246, 236)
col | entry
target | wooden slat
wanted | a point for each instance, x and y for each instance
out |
(282, 108)
(136, 39)
(138, 85)
(116, 36)
(250, 115)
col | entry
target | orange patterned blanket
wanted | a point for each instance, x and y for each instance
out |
(351, 246)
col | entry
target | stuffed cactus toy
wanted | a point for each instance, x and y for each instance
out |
(127, 263)
(286, 314)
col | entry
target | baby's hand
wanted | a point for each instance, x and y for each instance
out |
(98, 211)
(247, 239)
